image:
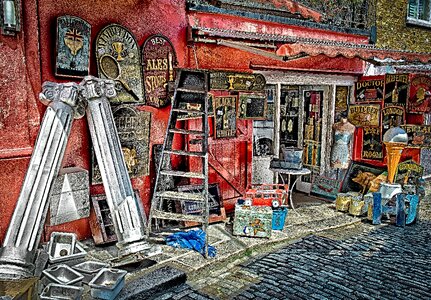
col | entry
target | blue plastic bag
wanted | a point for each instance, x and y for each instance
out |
(193, 239)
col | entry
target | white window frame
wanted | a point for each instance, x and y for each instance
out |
(415, 20)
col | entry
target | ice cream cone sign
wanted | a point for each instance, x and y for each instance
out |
(395, 140)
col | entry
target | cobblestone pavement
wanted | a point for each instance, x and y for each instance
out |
(357, 262)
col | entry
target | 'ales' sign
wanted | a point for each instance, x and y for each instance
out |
(158, 61)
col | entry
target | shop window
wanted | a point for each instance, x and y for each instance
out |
(418, 12)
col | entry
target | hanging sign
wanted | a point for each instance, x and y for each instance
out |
(238, 82)
(408, 172)
(133, 127)
(158, 61)
(118, 58)
(371, 144)
(369, 89)
(392, 116)
(396, 89)
(72, 47)
(252, 106)
(420, 94)
(419, 135)
(364, 115)
(225, 116)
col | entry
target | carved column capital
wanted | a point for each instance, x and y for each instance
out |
(93, 87)
(67, 93)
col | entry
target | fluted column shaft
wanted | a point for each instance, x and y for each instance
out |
(24, 231)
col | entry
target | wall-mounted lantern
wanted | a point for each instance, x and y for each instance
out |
(10, 17)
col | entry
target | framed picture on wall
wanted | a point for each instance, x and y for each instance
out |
(225, 116)
(252, 106)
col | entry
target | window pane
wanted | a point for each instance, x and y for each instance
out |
(412, 9)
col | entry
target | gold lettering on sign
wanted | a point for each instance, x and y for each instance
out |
(397, 77)
(369, 83)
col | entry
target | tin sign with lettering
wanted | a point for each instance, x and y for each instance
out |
(364, 115)
(73, 47)
(225, 116)
(420, 94)
(396, 89)
(369, 89)
(158, 61)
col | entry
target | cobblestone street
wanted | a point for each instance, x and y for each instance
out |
(355, 262)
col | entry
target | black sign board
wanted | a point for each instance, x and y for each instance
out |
(369, 89)
(396, 89)
(392, 116)
(238, 82)
(193, 207)
(73, 47)
(158, 61)
(225, 116)
(119, 59)
(408, 172)
(252, 106)
(371, 144)
(419, 135)
(133, 127)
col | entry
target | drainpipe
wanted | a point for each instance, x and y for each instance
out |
(24, 231)
(125, 207)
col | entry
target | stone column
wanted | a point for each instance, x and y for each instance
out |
(24, 231)
(126, 208)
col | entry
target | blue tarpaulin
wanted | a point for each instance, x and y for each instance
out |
(193, 239)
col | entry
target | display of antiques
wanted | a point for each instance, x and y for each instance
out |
(158, 62)
(119, 59)
(67, 101)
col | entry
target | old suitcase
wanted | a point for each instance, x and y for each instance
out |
(252, 221)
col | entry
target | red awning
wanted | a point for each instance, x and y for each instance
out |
(349, 50)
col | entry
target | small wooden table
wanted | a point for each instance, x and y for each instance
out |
(289, 173)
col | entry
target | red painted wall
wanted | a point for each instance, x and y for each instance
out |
(28, 60)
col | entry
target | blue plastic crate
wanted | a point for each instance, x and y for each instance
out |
(278, 217)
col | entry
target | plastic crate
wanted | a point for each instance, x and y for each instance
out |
(278, 218)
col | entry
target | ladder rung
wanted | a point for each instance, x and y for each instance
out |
(186, 153)
(157, 214)
(184, 131)
(188, 111)
(191, 90)
(182, 196)
(183, 174)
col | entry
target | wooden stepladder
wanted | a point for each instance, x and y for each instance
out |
(190, 99)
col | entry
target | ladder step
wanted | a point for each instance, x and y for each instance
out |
(157, 214)
(188, 111)
(198, 197)
(183, 174)
(184, 131)
(191, 90)
(186, 153)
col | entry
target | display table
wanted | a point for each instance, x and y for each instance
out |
(289, 173)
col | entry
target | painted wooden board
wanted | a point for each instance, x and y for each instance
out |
(325, 187)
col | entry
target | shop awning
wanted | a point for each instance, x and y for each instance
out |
(378, 56)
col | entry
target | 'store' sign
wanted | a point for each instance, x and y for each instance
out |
(158, 61)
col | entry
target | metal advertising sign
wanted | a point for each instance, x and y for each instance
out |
(133, 127)
(408, 172)
(369, 89)
(359, 176)
(396, 89)
(325, 187)
(72, 47)
(371, 144)
(420, 94)
(118, 58)
(225, 116)
(419, 135)
(158, 61)
(364, 115)
(196, 106)
(239, 82)
(252, 106)
(392, 116)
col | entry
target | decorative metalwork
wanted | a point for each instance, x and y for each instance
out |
(225, 116)
(73, 47)
(158, 61)
(118, 59)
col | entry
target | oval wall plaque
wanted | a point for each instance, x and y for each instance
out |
(158, 61)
